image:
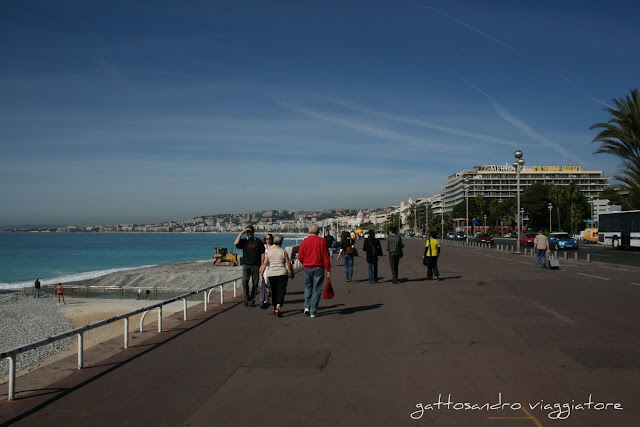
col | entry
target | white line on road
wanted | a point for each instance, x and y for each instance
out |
(490, 256)
(524, 262)
(637, 284)
(558, 315)
(595, 277)
(613, 268)
(507, 259)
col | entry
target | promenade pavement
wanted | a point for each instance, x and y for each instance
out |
(496, 337)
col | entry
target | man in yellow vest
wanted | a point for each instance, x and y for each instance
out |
(431, 253)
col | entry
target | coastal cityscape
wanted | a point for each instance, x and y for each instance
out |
(385, 213)
(486, 183)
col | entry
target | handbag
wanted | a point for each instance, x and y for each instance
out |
(328, 291)
(264, 297)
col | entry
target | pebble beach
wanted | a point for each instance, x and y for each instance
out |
(25, 319)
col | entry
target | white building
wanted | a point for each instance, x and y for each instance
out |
(500, 182)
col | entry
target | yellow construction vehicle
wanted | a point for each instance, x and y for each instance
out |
(223, 257)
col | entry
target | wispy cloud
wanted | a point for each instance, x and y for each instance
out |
(469, 26)
(582, 92)
(423, 123)
(518, 123)
(377, 131)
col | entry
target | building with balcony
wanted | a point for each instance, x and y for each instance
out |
(500, 182)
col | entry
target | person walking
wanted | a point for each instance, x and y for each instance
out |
(36, 289)
(394, 249)
(278, 266)
(268, 242)
(347, 251)
(314, 256)
(431, 254)
(252, 250)
(329, 239)
(60, 292)
(541, 246)
(373, 249)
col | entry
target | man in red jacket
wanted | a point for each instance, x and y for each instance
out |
(314, 256)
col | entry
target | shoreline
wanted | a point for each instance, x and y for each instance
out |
(24, 319)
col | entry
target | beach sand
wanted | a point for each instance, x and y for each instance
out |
(180, 278)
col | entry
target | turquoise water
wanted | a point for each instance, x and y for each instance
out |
(66, 257)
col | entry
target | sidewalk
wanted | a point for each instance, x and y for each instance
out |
(369, 357)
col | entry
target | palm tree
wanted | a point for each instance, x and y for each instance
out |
(620, 136)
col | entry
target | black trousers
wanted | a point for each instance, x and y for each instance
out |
(278, 289)
(252, 271)
(394, 261)
(432, 268)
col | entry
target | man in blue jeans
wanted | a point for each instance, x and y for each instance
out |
(541, 246)
(314, 256)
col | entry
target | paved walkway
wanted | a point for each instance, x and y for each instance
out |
(373, 356)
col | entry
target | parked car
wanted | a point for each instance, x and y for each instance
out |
(527, 238)
(484, 238)
(460, 235)
(451, 235)
(562, 241)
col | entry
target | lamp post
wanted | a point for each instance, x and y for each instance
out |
(485, 223)
(466, 219)
(442, 220)
(518, 164)
(550, 209)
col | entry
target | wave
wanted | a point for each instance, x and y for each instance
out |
(75, 277)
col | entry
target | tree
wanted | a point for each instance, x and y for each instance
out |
(620, 136)
(535, 201)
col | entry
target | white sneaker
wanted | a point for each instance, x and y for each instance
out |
(312, 315)
(306, 311)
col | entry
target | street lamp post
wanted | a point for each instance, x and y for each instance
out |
(550, 209)
(442, 220)
(485, 223)
(466, 219)
(518, 164)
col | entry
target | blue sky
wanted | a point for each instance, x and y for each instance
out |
(136, 112)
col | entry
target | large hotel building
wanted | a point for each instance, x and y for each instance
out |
(500, 182)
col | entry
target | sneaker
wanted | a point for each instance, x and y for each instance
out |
(306, 311)
(312, 315)
(246, 303)
(252, 303)
(438, 278)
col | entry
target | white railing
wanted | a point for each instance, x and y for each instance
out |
(14, 352)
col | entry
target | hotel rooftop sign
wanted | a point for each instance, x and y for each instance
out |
(510, 168)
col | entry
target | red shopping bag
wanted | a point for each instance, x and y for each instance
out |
(328, 290)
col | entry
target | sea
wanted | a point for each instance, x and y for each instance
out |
(70, 257)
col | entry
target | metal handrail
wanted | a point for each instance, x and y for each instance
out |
(12, 353)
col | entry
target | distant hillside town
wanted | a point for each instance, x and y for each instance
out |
(488, 191)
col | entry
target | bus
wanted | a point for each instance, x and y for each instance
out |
(619, 229)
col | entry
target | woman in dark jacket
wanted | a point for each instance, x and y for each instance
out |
(345, 244)
(373, 249)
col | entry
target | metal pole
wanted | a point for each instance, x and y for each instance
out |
(466, 219)
(12, 377)
(80, 348)
(518, 164)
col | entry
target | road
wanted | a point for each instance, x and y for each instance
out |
(598, 253)
(557, 347)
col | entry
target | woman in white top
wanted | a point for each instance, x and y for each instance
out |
(280, 268)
